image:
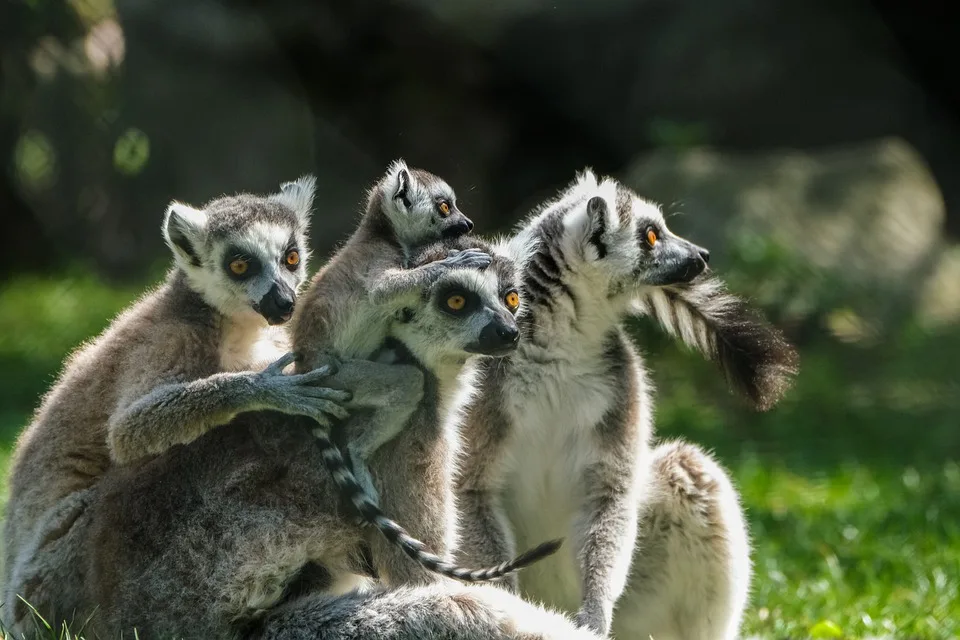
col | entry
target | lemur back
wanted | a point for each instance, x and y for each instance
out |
(558, 434)
(347, 314)
(184, 358)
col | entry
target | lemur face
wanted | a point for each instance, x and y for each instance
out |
(421, 206)
(625, 238)
(467, 311)
(245, 254)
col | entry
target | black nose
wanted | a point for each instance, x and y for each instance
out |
(705, 256)
(277, 305)
(498, 337)
(458, 228)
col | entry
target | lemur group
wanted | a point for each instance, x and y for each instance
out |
(437, 435)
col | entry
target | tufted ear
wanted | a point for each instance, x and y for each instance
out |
(597, 212)
(298, 196)
(184, 229)
(398, 183)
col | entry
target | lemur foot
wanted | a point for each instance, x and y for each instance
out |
(594, 620)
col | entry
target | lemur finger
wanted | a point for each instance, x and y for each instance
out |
(276, 368)
(323, 431)
(476, 263)
(474, 256)
(317, 375)
(326, 406)
(470, 259)
(326, 393)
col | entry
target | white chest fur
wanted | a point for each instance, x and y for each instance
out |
(251, 346)
(555, 409)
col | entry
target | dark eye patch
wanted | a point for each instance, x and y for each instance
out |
(235, 253)
(642, 234)
(471, 300)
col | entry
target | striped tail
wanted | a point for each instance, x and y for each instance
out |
(349, 487)
(756, 359)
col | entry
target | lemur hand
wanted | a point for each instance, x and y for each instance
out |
(301, 394)
(468, 258)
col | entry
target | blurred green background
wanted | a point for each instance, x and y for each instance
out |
(799, 141)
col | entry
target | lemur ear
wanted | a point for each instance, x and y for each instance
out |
(398, 182)
(597, 211)
(183, 230)
(298, 196)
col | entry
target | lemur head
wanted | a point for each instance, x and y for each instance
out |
(614, 231)
(419, 206)
(245, 254)
(598, 239)
(466, 312)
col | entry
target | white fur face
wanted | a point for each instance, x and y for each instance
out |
(421, 207)
(620, 241)
(467, 311)
(246, 255)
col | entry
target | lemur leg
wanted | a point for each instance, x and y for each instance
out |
(449, 611)
(384, 398)
(691, 572)
(180, 412)
(396, 283)
(486, 536)
(605, 532)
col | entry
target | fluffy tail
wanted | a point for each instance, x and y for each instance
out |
(348, 487)
(756, 359)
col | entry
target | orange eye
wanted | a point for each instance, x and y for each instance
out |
(456, 302)
(651, 236)
(239, 266)
(293, 258)
(512, 299)
(445, 208)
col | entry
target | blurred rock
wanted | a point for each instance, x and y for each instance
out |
(939, 303)
(868, 216)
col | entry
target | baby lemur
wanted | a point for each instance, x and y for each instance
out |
(557, 435)
(346, 314)
(186, 357)
(260, 527)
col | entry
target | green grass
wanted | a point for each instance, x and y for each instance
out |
(851, 485)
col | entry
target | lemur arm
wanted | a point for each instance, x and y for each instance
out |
(605, 534)
(485, 537)
(485, 534)
(167, 411)
(395, 282)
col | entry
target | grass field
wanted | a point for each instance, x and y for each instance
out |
(852, 485)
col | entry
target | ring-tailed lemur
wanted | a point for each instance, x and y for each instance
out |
(260, 526)
(347, 313)
(690, 577)
(183, 359)
(558, 434)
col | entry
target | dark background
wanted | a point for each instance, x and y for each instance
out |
(812, 145)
